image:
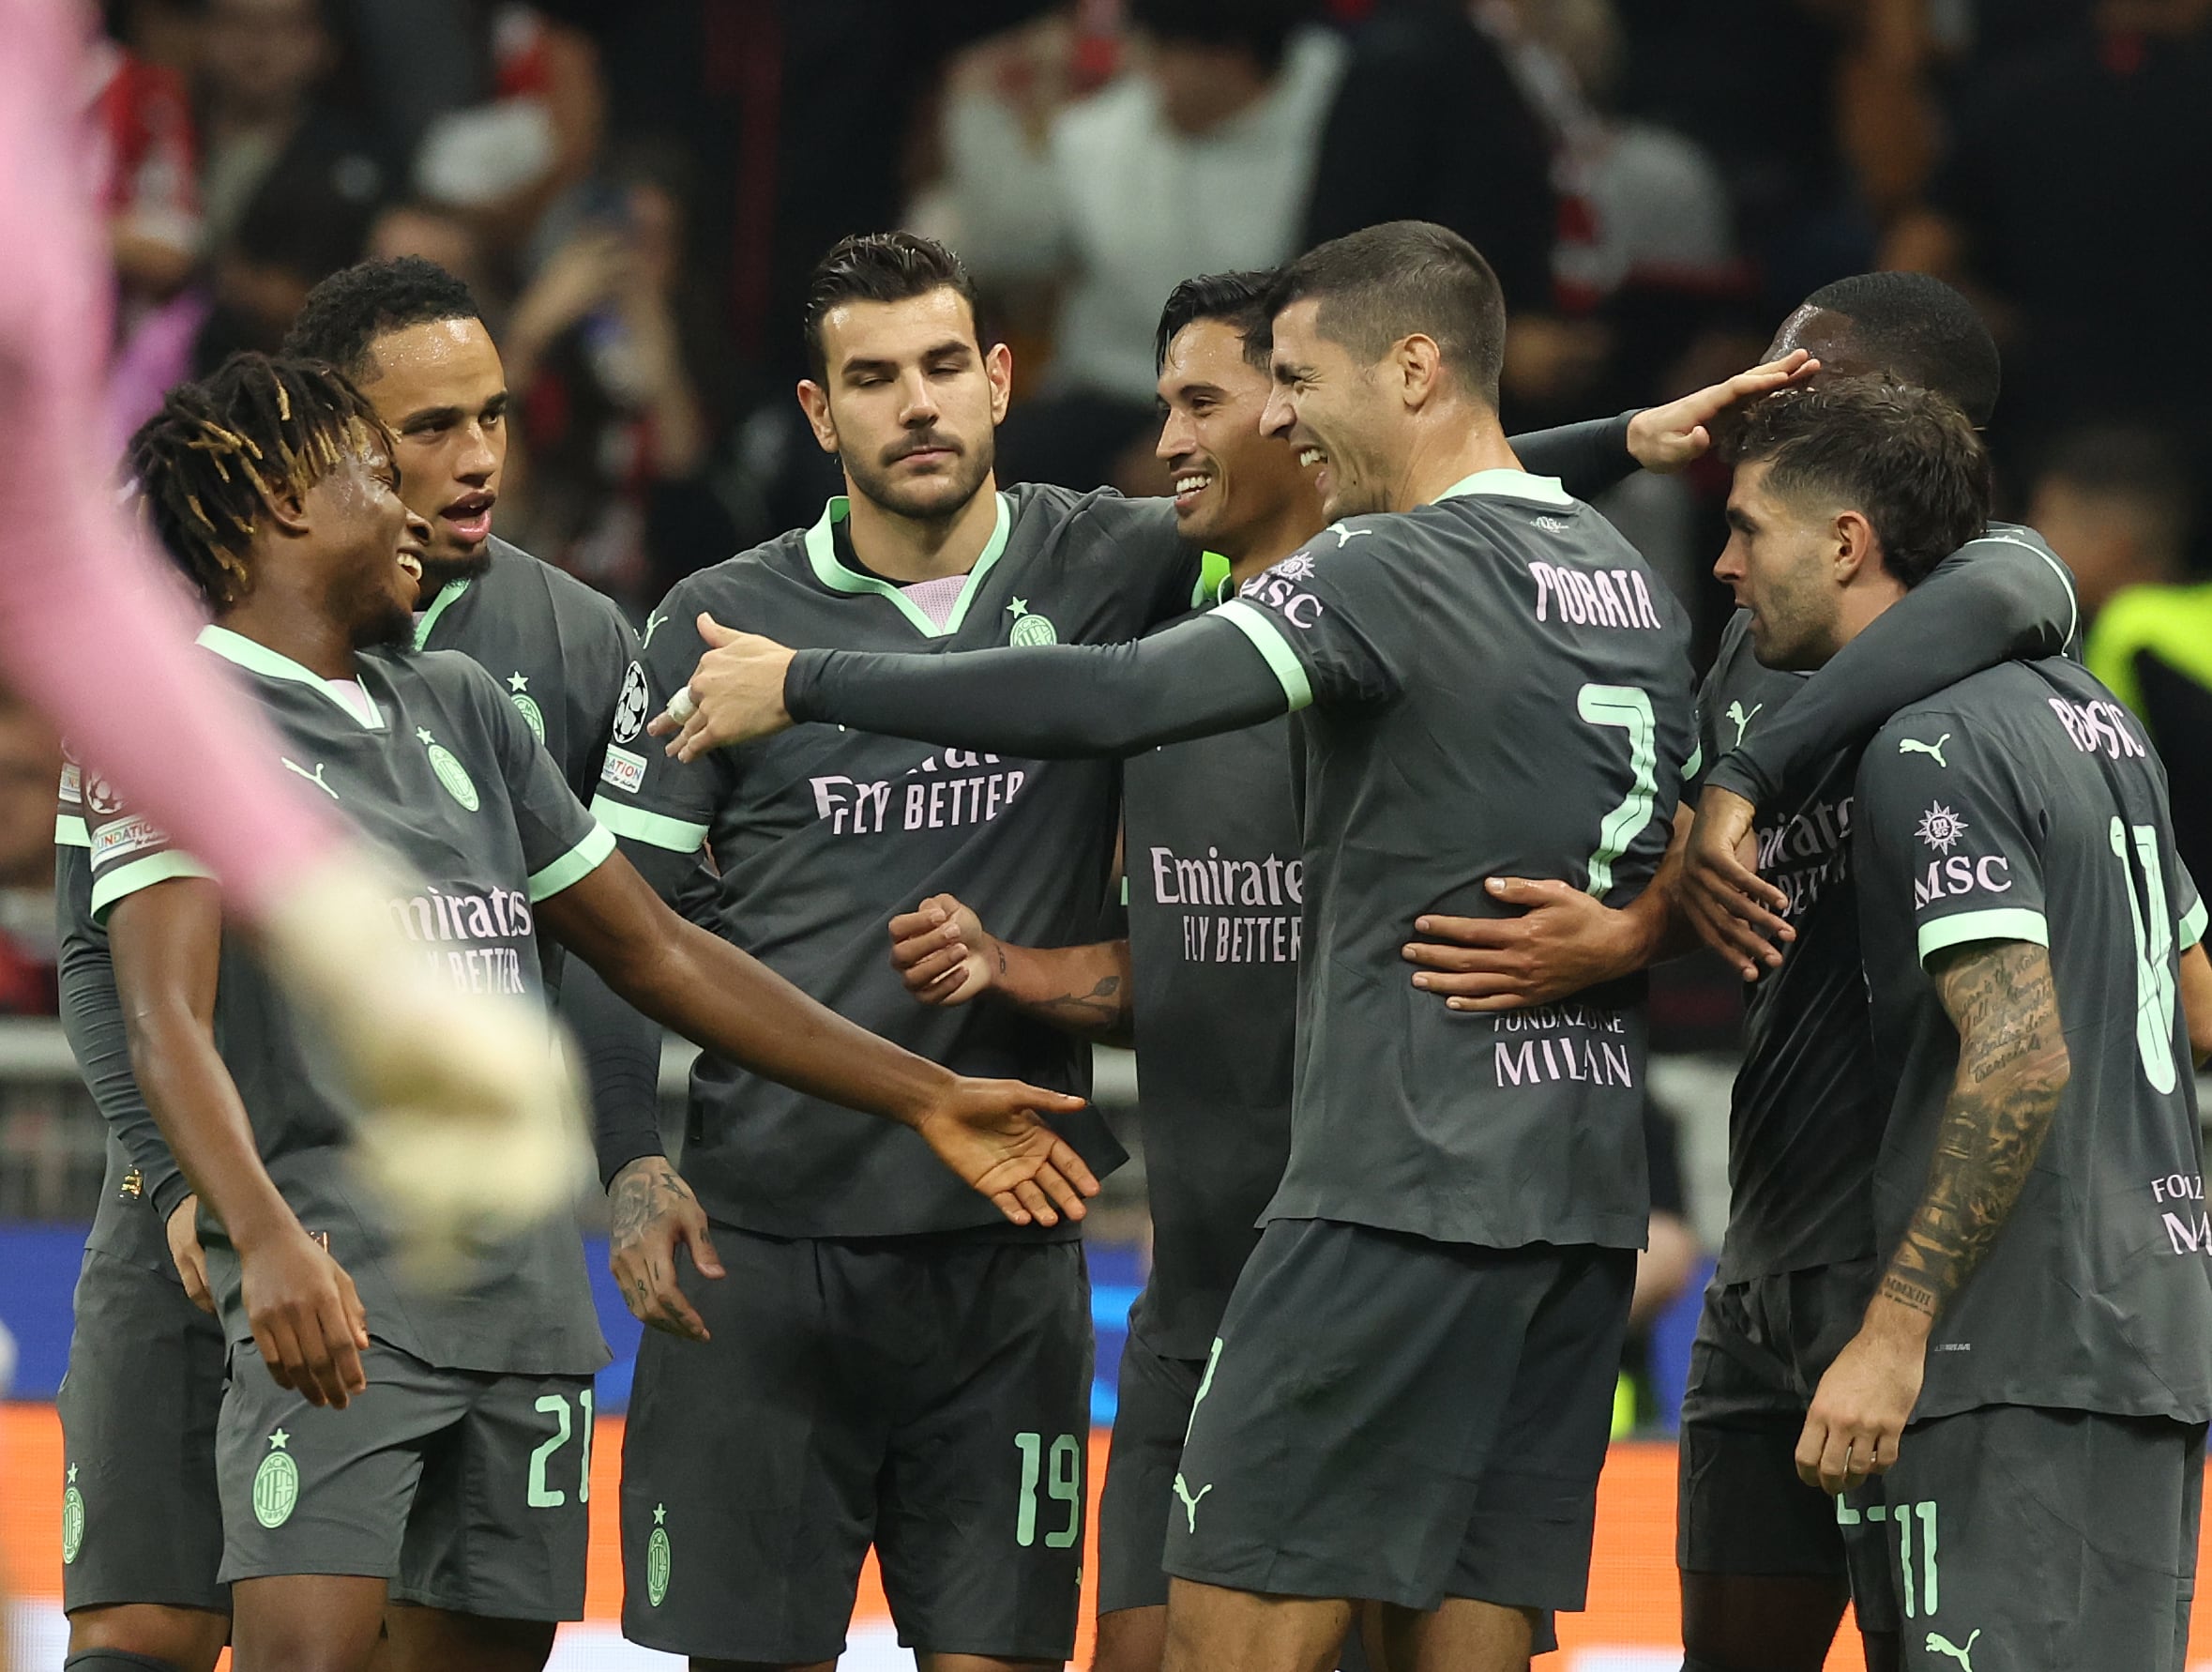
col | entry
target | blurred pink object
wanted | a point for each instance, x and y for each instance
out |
(89, 628)
(154, 357)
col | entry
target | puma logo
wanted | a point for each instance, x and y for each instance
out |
(314, 778)
(1939, 1644)
(1914, 745)
(1743, 721)
(1191, 1509)
(1346, 536)
(654, 623)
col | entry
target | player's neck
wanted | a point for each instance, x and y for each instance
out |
(302, 630)
(1449, 452)
(1862, 603)
(1289, 529)
(909, 549)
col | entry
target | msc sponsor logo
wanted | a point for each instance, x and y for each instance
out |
(1277, 588)
(1947, 879)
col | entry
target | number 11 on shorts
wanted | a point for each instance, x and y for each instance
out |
(1060, 1471)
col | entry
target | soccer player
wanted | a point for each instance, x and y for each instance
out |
(409, 336)
(1410, 1395)
(2019, 1421)
(456, 1483)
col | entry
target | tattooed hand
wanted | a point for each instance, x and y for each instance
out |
(653, 1212)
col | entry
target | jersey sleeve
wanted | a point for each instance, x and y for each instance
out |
(92, 1018)
(1951, 832)
(657, 806)
(1587, 458)
(562, 844)
(1324, 619)
(2188, 908)
(2004, 595)
(130, 852)
(614, 650)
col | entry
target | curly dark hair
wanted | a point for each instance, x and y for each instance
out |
(893, 267)
(1902, 456)
(343, 316)
(212, 461)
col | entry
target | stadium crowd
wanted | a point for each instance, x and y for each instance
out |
(390, 269)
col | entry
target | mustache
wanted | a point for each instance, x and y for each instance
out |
(928, 440)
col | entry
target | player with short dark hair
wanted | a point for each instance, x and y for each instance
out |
(1495, 681)
(2018, 1422)
(457, 1483)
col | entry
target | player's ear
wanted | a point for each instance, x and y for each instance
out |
(1857, 551)
(814, 401)
(1420, 367)
(998, 366)
(288, 510)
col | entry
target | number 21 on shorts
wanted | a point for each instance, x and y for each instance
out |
(1059, 1471)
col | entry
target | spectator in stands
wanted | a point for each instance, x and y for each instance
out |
(2118, 506)
(300, 227)
(1199, 158)
(620, 371)
(30, 767)
(2077, 200)
(267, 103)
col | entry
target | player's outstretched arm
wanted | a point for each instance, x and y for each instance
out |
(1055, 701)
(986, 1131)
(2013, 1070)
(1675, 435)
(308, 1321)
(944, 957)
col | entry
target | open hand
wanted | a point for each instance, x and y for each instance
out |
(1735, 911)
(988, 1131)
(942, 952)
(307, 1322)
(1667, 438)
(1564, 940)
(1859, 1410)
(733, 696)
(655, 1213)
(191, 1260)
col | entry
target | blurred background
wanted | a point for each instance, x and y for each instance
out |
(637, 191)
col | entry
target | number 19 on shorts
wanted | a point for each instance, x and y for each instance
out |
(1055, 1473)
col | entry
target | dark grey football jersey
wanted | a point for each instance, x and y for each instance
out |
(450, 779)
(821, 834)
(1806, 1114)
(129, 1221)
(1498, 687)
(1216, 870)
(563, 652)
(2024, 805)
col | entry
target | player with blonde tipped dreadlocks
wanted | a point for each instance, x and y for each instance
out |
(455, 1488)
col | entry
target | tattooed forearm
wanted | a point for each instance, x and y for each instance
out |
(2012, 1069)
(1103, 1010)
(1080, 990)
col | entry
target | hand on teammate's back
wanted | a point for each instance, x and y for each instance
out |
(184, 1249)
(988, 1132)
(308, 1321)
(942, 952)
(1562, 941)
(1671, 437)
(655, 1213)
(1735, 911)
(735, 695)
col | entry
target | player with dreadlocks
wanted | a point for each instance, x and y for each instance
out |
(455, 1487)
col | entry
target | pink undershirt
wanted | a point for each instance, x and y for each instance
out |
(92, 628)
(938, 598)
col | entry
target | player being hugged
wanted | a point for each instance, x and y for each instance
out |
(379, 1439)
(1411, 1391)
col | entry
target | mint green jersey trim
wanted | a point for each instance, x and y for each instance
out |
(1508, 484)
(138, 875)
(654, 829)
(1696, 763)
(447, 594)
(831, 571)
(1213, 580)
(2011, 923)
(259, 658)
(573, 866)
(2192, 926)
(1258, 627)
(71, 832)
